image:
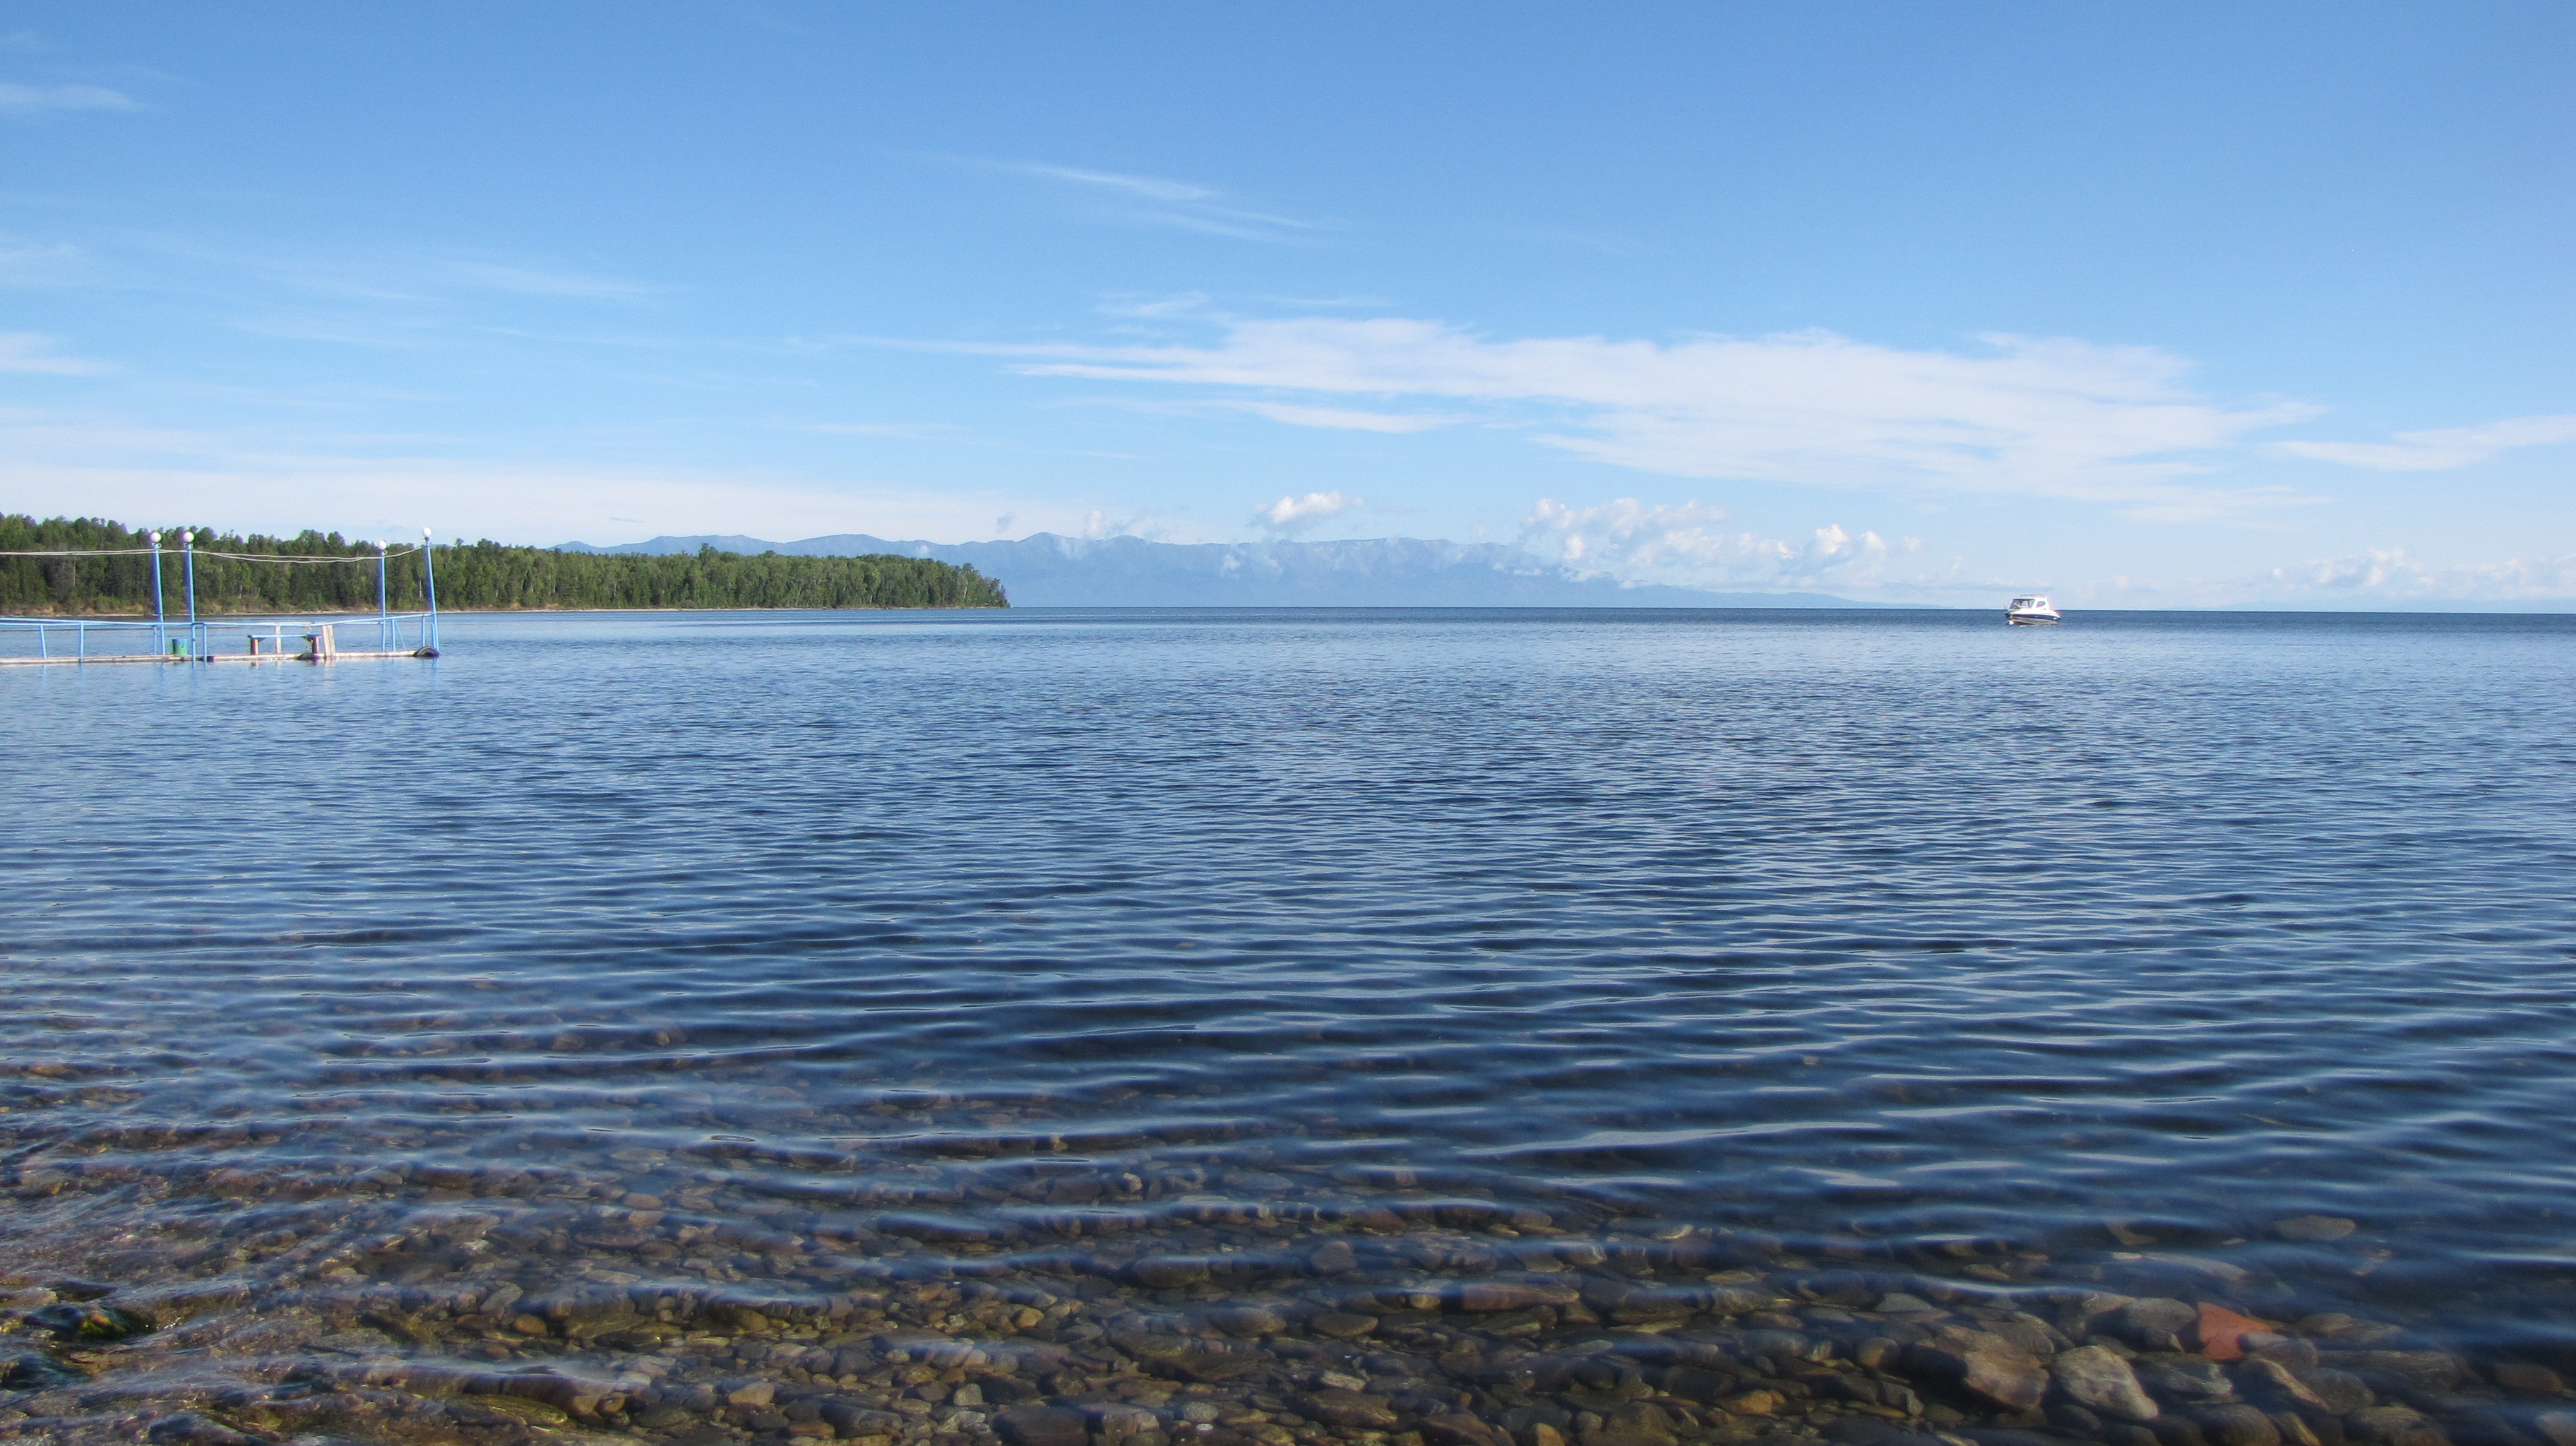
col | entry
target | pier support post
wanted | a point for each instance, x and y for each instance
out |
(160, 616)
(429, 584)
(188, 545)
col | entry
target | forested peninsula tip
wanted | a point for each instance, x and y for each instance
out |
(482, 575)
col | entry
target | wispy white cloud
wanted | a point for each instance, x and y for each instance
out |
(1152, 188)
(1158, 201)
(1341, 418)
(384, 301)
(2394, 575)
(1291, 515)
(1687, 544)
(39, 263)
(2442, 449)
(18, 99)
(107, 467)
(542, 281)
(1357, 301)
(1099, 523)
(25, 351)
(907, 431)
(1179, 304)
(2030, 417)
(426, 280)
(252, 273)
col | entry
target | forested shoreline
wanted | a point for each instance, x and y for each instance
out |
(482, 575)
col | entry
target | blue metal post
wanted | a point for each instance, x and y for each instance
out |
(384, 616)
(188, 542)
(429, 583)
(160, 618)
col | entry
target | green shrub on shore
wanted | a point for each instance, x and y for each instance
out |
(484, 575)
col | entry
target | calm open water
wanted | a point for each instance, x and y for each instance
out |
(901, 947)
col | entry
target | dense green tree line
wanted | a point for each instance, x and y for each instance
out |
(478, 575)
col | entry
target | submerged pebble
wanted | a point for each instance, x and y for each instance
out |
(89, 1321)
(23, 1370)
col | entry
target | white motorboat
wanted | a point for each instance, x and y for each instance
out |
(2026, 611)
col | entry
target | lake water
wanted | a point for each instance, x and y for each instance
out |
(714, 1027)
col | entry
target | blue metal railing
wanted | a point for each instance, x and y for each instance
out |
(206, 640)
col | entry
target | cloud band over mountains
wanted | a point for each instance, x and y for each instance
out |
(2028, 417)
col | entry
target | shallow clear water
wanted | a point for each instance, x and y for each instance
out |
(1026, 942)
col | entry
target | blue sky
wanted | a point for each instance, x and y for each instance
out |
(2170, 305)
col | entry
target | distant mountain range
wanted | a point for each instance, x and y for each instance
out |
(1049, 570)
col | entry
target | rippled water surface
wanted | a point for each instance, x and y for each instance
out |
(841, 968)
